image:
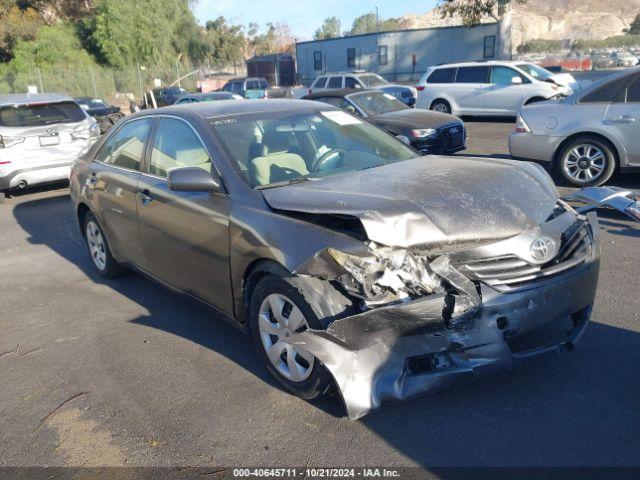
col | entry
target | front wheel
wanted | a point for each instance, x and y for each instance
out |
(586, 162)
(278, 310)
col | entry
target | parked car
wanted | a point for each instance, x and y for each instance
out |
(347, 257)
(40, 137)
(163, 96)
(207, 97)
(624, 59)
(337, 81)
(601, 61)
(483, 89)
(426, 131)
(255, 88)
(105, 115)
(588, 135)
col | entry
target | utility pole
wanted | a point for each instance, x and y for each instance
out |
(178, 69)
(93, 81)
(138, 68)
(40, 80)
(377, 41)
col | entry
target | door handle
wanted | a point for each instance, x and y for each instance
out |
(145, 197)
(91, 181)
(621, 119)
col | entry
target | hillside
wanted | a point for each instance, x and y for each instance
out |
(553, 19)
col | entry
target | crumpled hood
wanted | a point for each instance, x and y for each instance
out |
(436, 202)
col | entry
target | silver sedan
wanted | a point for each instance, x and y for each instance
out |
(585, 137)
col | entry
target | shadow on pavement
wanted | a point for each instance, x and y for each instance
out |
(577, 409)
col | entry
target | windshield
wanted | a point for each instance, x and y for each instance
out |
(281, 147)
(375, 103)
(535, 71)
(40, 114)
(372, 80)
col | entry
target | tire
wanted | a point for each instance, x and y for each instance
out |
(440, 105)
(310, 381)
(586, 161)
(99, 250)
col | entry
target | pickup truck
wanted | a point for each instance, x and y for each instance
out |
(255, 87)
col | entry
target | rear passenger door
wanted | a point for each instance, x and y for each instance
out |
(185, 234)
(622, 118)
(502, 95)
(113, 184)
(470, 89)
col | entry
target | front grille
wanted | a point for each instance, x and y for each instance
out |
(510, 272)
(452, 136)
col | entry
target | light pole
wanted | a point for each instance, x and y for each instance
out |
(178, 69)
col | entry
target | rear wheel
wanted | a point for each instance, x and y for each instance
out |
(586, 161)
(440, 105)
(278, 310)
(98, 246)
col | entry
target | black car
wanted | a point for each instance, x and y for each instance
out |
(106, 115)
(425, 130)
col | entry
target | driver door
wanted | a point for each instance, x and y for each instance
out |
(185, 234)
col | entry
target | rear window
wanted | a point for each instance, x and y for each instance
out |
(443, 75)
(37, 115)
(612, 91)
(473, 75)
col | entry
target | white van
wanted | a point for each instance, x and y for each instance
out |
(488, 88)
(40, 138)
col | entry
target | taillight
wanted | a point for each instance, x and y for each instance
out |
(420, 88)
(5, 163)
(521, 125)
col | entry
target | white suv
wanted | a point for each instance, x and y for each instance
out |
(488, 88)
(40, 138)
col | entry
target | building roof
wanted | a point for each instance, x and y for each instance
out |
(386, 32)
(26, 98)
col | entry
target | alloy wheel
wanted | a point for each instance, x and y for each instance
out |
(584, 163)
(280, 318)
(97, 246)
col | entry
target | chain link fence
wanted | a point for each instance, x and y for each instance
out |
(102, 82)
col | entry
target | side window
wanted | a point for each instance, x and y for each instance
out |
(263, 84)
(351, 82)
(335, 101)
(473, 75)
(252, 85)
(126, 147)
(442, 75)
(613, 91)
(320, 82)
(383, 54)
(351, 57)
(489, 46)
(503, 75)
(176, 145)
(317, 60)
(633, 92)
(335, 82)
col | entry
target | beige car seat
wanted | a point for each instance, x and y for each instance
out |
(275, 163)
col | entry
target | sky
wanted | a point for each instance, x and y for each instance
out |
(303, 16)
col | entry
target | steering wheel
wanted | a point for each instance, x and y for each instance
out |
(327, 156)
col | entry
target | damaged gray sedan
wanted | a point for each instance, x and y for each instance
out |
(351, 260)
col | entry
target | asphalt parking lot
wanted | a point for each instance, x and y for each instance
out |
(124, 373)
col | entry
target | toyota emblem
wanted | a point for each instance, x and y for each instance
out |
(543, 249)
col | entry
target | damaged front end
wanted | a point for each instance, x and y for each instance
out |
(430, 319)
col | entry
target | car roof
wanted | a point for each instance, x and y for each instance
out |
(478, 64)
(27, 98)
(338, 93)
(233, 107)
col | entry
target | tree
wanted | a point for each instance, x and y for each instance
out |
(226, 42)
(369, 23)
(330, 28)
(634, 28)
(472, 12)
(277, 39)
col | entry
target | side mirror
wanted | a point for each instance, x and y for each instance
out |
(350, 109)
(193, 179)
(516, 80)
